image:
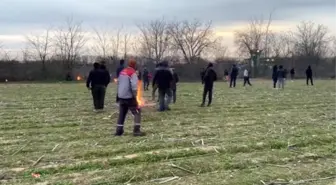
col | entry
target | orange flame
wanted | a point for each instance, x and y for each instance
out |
(139, 96)
(115, 80)
(79, 78)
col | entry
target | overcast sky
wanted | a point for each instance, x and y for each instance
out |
(20, 17)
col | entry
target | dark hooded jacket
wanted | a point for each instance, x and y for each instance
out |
(234, 72)
(120, 68)
(163, 77)
(309, 72)
(210, 76)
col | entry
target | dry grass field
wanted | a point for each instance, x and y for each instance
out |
(255, 135)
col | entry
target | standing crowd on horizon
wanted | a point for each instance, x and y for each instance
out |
(164, 80)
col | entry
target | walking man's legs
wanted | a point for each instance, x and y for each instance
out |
(245, 81)
(169, 98)
(123, 109)
(153, 92)
(248, 81)
(311, 80)
(162, 95)
(234, 81)
(94, 93)
(174, 95)
(137, 118)
(274, 82)
(231, 81)
(210, 95)
(102, 97)
(205, 91)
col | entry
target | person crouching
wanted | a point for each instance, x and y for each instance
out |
(127, 91)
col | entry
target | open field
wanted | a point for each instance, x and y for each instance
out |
(255, 135)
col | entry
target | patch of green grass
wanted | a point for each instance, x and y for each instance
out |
(247, 136)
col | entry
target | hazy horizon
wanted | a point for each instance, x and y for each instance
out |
(22, 17)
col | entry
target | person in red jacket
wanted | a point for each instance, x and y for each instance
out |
(127, 91)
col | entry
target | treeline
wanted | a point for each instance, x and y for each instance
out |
(187, 45)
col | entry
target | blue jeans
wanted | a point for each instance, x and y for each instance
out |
(164, 102)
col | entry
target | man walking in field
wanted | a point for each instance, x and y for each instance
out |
(145, 77)
(208, 80)
(97, 83)
(292, 73)
(173, 86)
(309, 75)
(163, 79)
(233, 76)
(127, 91)
(275, 75)
(153, 83)
(107, 80)
(281, 77)
(246, 78)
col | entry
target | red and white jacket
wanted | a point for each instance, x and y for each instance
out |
(127, 83)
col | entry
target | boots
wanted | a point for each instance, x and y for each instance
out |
(137, 132)
(119, 131)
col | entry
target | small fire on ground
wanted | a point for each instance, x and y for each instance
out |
(79, 78)
(115, 80)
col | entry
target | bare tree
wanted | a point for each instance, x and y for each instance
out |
(280, 45)
(219, 50)
(254, 37)
(191, 38)
(69, 42)
(311, 40)
(126, 39)
(154, 39)
(40, 46)
(116, 41)
(102, 43)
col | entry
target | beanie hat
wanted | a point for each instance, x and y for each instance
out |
(132, 63)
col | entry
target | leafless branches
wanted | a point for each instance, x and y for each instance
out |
(280, 45)
(191, 38)
(155, 39)
(311, 39)
(69, 42)
(254, 37)
(40, 46)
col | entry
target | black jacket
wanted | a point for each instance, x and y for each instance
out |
(281, 73)
(145, 75)
(98, 77)
(234, 72)
(309, 72)
(175, 81)
(119, 69)
(210, 76)
(163, 78)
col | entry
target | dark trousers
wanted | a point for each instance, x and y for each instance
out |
(165, 96)
(146, 84)
(207, 91)
(275, 80)
(309, 78)
(174, 95)
(124, 106)
(247, 80)
(98, 95)
(292, 76)
(153, 92)
(233, 81)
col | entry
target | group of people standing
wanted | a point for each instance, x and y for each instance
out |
(279, 76)
(164, 81)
